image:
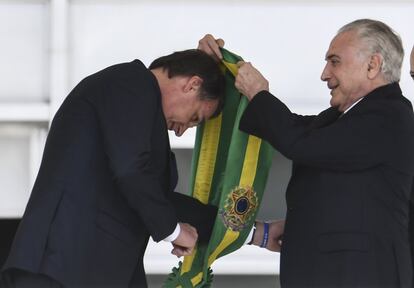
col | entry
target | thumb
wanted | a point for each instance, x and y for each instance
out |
(220, 42)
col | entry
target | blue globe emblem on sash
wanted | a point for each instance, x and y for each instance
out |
(242, 205)
(239, 207)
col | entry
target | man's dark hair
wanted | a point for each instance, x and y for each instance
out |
(195, 62)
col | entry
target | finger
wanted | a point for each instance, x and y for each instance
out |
(180, 252)
(177, 254)
(187, 252)
(190, 228)
(204, 44)
(220, 42)
(194, 230)
(240, 63)
(177, 251)
(214, 45)
(216, 51)
(205, 39)
(237, 84)
(209, 45)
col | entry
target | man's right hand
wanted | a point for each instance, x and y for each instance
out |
(211, 46)
(249, 81)
(186, 240)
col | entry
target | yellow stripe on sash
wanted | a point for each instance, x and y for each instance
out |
(197, 279)
(228, 238)
(205, 171)
(207, 159)
(188, 261)
(250, 162)
(232, 67)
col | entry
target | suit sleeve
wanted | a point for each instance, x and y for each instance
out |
(126, 113)
(344, 145)
(199, 215)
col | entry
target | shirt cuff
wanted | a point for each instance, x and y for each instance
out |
(174, 235)
(250, 237)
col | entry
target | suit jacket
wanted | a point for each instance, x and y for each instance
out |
(348, 196)
(104, 185)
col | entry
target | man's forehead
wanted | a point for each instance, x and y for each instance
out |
(342, 43)
(334, 46)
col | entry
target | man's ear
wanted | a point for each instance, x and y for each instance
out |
(374, 66)
(193, 84)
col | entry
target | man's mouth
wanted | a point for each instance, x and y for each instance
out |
(332, 87)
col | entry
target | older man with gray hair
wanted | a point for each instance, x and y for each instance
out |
(353, 164)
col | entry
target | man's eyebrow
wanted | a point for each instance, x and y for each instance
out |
(330, 56)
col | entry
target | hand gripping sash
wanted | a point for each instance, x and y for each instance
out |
(229, 170)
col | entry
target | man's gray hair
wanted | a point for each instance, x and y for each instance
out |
(380, 38)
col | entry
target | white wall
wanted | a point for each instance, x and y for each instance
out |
(287, 42)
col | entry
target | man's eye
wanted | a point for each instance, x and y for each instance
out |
(334, 62)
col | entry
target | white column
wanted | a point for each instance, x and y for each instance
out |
(36, 145)
(58, 53)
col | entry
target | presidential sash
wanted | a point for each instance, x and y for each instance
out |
(229, 170)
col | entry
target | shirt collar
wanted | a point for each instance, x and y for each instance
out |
(349, 108)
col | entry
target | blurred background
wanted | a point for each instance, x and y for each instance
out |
(47, 47)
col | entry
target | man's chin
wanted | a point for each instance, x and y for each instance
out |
(333, 103)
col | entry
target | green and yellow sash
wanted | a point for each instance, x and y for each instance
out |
(229, 170)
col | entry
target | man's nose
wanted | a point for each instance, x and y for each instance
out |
(325, 74)
(184, 129)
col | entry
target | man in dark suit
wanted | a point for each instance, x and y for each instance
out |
(353, 164)
(107, 174)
